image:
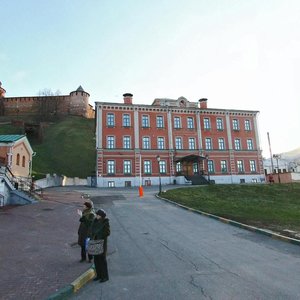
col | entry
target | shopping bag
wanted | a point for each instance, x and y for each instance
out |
(95, 247)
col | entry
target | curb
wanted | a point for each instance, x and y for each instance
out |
(70, 289)
(236, 224)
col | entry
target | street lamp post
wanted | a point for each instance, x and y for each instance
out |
(277, 157)
(141, 191)
(158, 161)
(207, 157)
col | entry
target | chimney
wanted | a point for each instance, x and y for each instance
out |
(127, 98)
(203, 103)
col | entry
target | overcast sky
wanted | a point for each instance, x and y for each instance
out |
(240, 54)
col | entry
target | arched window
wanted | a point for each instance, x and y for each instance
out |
(18, 159)
(23, 161)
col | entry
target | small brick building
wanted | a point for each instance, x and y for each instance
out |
(16, 154)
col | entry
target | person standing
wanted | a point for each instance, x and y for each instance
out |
(100, 230)
(87, 216)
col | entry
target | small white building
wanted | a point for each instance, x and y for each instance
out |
(15, 164)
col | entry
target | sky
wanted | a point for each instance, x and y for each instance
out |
(239, 54)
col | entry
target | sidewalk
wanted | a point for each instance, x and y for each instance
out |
(39, 253)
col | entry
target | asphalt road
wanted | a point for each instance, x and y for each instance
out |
(159, 251)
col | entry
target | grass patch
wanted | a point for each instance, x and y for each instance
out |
(9, 129)
(275, 207)
(68, 148)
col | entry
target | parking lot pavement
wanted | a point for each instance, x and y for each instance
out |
(39, 253)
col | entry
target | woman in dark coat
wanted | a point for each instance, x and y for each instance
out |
(86, 219)
(100, 230)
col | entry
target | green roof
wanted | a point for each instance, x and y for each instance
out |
(8, 138)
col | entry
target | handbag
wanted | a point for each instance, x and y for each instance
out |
(86, 242)
(95, 247)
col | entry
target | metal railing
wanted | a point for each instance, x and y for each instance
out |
(24, 184)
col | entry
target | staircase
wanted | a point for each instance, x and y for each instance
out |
(197, 179)
(21, 198)
(18, 190)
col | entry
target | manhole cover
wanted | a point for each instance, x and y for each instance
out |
(107, 199)
(48, 209)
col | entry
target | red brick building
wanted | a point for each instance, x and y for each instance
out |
(175, 141)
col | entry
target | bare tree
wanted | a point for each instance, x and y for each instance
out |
(49, 103)
(48, 92)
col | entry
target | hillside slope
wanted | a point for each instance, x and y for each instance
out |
(292, 155)
(68, 148)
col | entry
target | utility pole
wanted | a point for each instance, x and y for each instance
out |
(271, 156)
(277, 157)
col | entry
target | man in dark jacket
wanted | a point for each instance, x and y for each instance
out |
(86, 219)
(100, 230)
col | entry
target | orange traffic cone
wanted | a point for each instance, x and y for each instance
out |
(141, 191)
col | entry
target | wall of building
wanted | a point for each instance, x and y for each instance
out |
(20, 160)
(3, 155)
(295, 176)
(279, 178)
(136, 132)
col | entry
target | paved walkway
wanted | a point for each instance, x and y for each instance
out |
(39, 253)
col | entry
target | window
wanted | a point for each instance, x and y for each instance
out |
(208, 144)
(126, 142)
(178, 143)
(178, 167)
(249, 144)
(145, 121)
(126, 120)
(247, 125)
(110, 120)
(18, 159)
(160, 143)
(146, 142)
(252, 166)
(110, 142)
(160, 122)
(223, 166)
(210, 166)
(110, 167)
(147, 166)
(177, 122)
(221, 144)
(190, 123)
(23, 161)
(127, 167)
(206, 122)
(240, 166)
(237, 144)
(235, 124)
(220, 124)
(191, 143)
(162, 167)
(111, 184)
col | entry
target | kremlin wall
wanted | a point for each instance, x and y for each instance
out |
(76, 104)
